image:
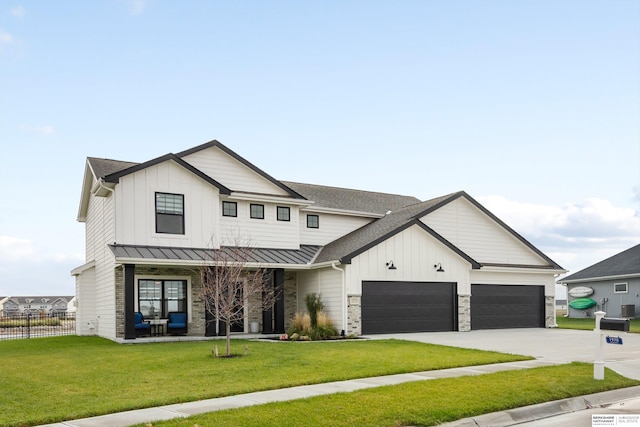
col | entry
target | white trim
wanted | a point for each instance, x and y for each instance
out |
(265, 198)
(520, 269)
(600, 279)
(626, 288)
(334, 211)
(79, 270)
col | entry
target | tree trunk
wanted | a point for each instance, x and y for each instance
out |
(228, 327)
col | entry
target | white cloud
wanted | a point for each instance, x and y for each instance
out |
(42, 130)
(18, 11)
(136, 7)
(575, 235)
(5, 38)
(15, 249)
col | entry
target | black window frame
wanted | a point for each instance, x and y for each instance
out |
(251, 213)
(317, 221)
(164, 299)
(166, 214)
(235, 209)
(286, 209)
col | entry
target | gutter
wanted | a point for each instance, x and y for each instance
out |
(344, 297)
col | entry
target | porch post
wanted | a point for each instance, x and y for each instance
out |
(267, 313)
(129, 306)
(278, 315)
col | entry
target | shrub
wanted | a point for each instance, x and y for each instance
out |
(314, 305)
(301, 324)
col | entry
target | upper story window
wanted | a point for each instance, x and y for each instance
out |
(257, 211)
(169, 213)
(229, 209)
(284, 213)
(620, 288)
(313, 221)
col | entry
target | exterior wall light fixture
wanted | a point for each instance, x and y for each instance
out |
(390, 265)
(439, 268)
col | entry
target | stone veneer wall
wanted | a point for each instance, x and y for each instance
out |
(464, 313)
(354, 315)
(550, 312)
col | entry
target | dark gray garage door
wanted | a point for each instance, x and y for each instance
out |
(392, 307)
(507, 306)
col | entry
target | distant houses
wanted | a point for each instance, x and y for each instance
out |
(12, 306)
(611, 285)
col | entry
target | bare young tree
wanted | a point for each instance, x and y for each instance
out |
(233, 287)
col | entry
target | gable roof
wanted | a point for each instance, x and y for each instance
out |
(345, 199)
(113, 170)
(104, 167)
(353, 244)
(626, 263)
(358, 241)
(115, 176)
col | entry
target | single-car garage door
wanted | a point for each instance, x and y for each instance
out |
(393, 307)
(507, 306)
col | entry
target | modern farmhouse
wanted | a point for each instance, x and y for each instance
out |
(382, 263)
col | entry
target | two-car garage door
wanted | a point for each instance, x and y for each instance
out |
(396, 307)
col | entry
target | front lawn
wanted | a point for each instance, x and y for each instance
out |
(422, 403)
(46, 380)
(589, 323)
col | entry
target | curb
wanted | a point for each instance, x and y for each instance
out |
(541, 411)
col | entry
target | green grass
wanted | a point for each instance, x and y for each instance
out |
(590, 323)
(422, 403)
(53, 379)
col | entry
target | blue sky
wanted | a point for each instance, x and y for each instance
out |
(532, 107)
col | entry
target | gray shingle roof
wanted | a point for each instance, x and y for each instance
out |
(351, 200)
(623, 264)
(104, 167)
(301, 256)
(363, 238)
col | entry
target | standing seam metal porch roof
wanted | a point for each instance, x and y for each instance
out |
(302, 256)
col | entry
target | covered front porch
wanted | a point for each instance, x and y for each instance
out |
(153, 294)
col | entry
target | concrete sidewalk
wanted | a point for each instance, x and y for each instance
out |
(167, 412)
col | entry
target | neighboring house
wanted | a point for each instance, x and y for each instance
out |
(37, 305)
(612, 285)
(382, 263)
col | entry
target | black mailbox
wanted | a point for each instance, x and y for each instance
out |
(611, 324)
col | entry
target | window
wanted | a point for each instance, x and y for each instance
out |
(169, 213)
(620, 288)
(257, 211)
(229, 209)
(284, 213)
(313, 221)
(161, 296)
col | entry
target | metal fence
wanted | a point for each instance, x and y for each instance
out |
(30, 325)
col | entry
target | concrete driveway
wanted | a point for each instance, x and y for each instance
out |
(557, 345)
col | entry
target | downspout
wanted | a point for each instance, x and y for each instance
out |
(344, 297)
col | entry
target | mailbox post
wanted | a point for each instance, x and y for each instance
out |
(598, 364)
(606, 324)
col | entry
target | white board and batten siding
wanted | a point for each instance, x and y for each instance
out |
(100, 232)
(231, 173)
(414, 253)
(326, 282)
(86, 321)
(331, 227)
(135, 207)
(477, 235)
(261, 233)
